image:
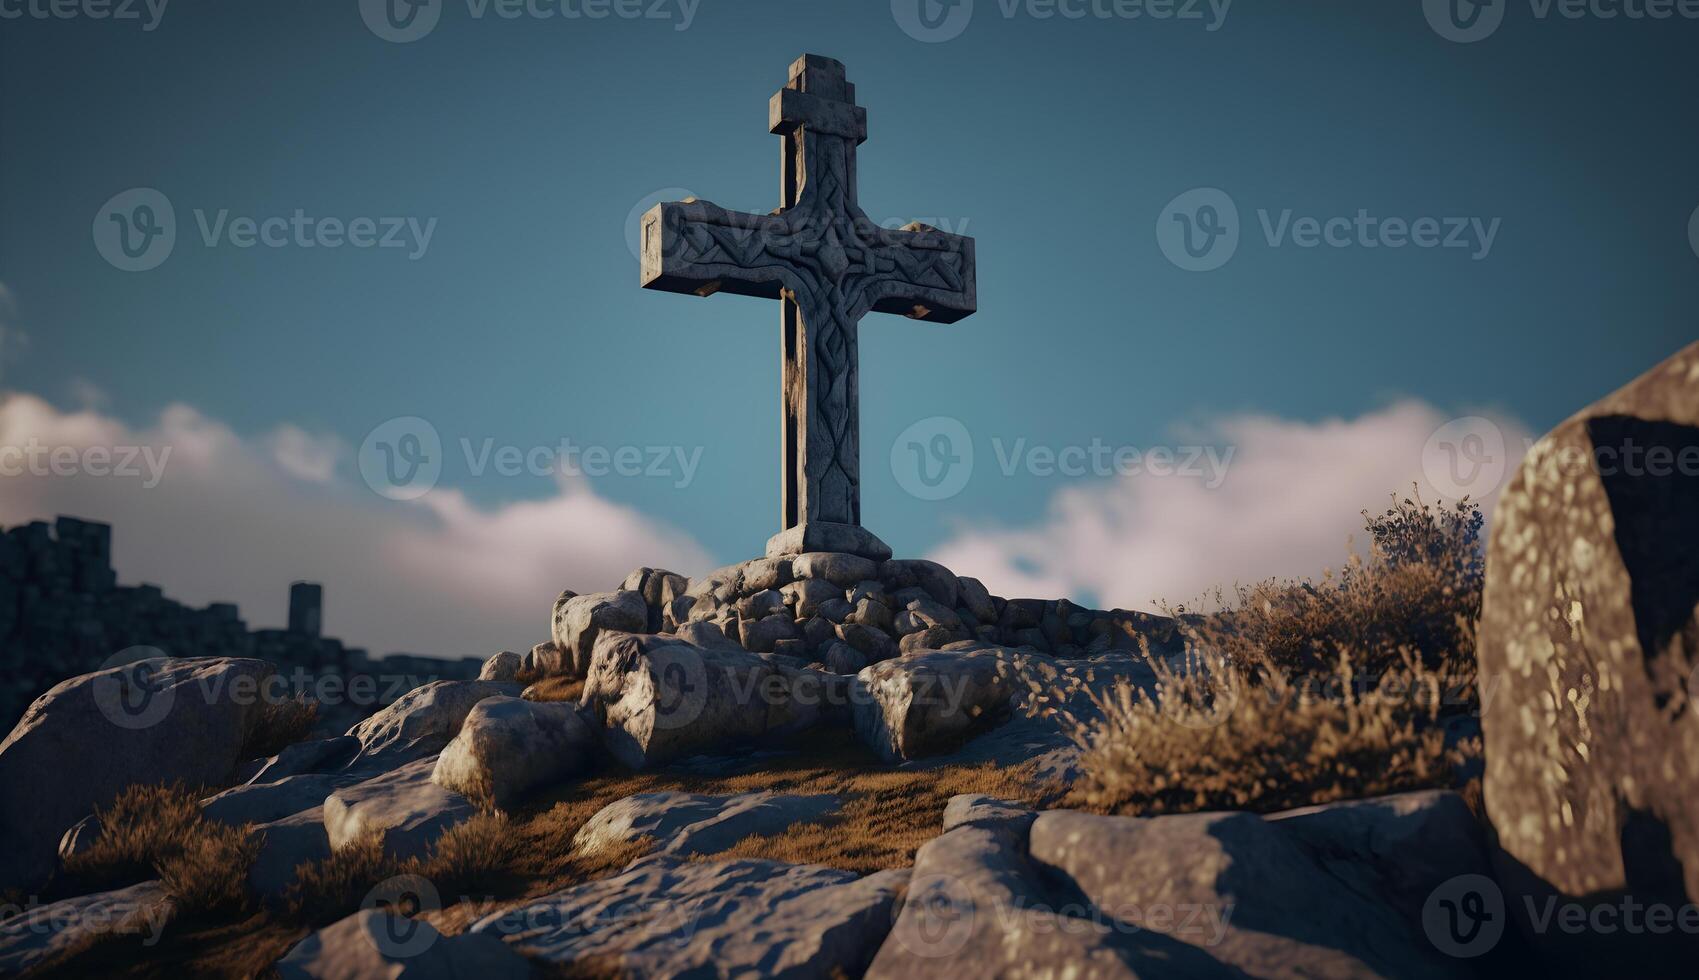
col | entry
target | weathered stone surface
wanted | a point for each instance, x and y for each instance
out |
(659, 698)
(503, 667)
(763, 635)
(33, 935)
(319, 755)
(509, 747)
(668, 917)
(760, 605)
(580, 619)
(285, 845)
(827, 537)
(973, 595)
(985, 812)
(376, 943)
(928, 702)
(1590, 636)
(767, 573)
(1304, 901)
(930, 638)
(871, 643)
(684, 823)
(937, 581)
(421, 722)
(405, 808)
(155, 721)
(841, 658)
(840, 570)
(264, 802)
(873, 614)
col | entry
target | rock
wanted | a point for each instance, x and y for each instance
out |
(405, 808)
(1303, 902)
(967, 810)
(1589, 635)
(805, 596)
(1019, 614)
(835, 609)
(870, 589)
(657, 586)
(684, 824)
(841, 658)
(259, 803)
(669, 917)
(321, 755)
(974, 597)
(873, 614)
(503, 667)
(933, 613)
(761, 604)
(509, 747)
(939, 582)
(870, 643)
(36, 933)
(284, 846)
(376, 943)
(930, 638)
(421, 722)
(81, 743)
(762, 635)
(841, 570)
(722, 584)
(580, 619)
(819, 633)
(767, 573)
(658, 698)
(927, 702)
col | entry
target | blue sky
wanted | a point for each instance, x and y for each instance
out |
(1057, 143)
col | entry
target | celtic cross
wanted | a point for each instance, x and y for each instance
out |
(830, 265)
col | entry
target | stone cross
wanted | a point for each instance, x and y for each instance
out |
(829, 264)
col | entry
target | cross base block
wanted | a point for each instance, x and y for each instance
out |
(847, 539)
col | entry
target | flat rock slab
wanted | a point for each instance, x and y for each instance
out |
(285, 845)
(404, 807)
(35, 934)
(668, 917)
(420, 723)
(378, 944)
(509, 747)
(686, 823)
(930, 702)
(266, 802)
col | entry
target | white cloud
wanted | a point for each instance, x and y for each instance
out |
(1290, 502)
(238, 520)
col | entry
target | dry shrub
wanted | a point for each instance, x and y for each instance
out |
(158, 831)
(556, 688)
(1303, 693)
(330, 889)
(277, 725)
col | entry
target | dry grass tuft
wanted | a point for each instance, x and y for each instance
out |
(279, 724)
(557, 688)
(158, 831)
(1302, 693)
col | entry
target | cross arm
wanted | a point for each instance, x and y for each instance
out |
(701, 248)
(924, 274)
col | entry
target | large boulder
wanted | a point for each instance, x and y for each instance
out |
(153, 721)
(579, 619)
(670, 917)
(376, 943)
(930, 701)
(1588, 645)
(421, 722)
(686, 823)
(658, 698)
(404, 808)
(35, 934)
(508, 747)
(284, 846)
